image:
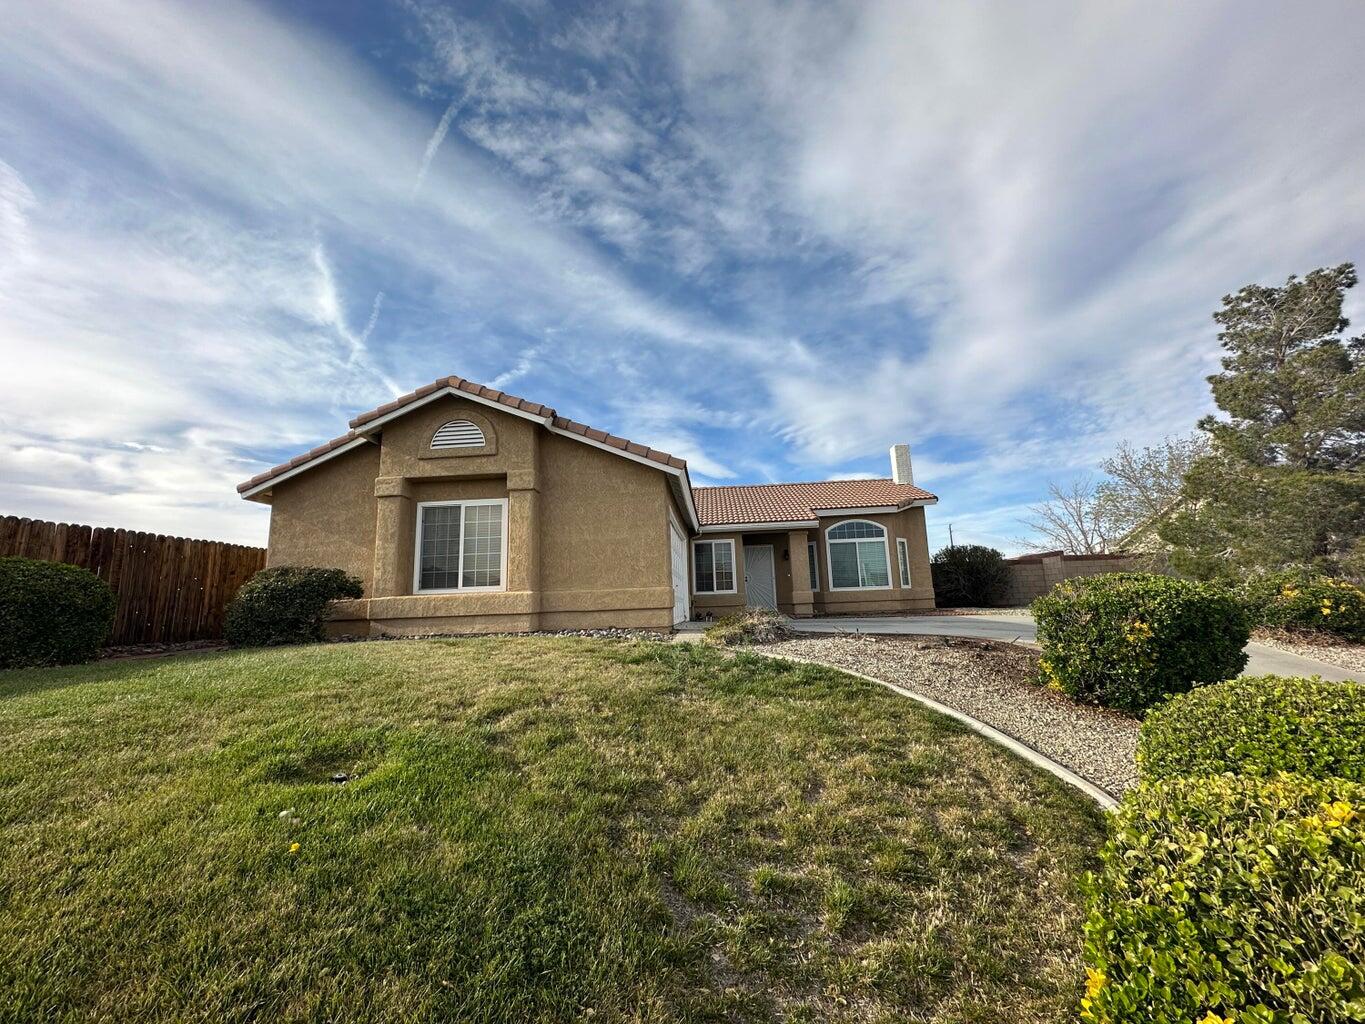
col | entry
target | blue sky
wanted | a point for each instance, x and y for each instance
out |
(772, 238)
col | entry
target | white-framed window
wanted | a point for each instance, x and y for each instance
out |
(814, 565)
(858, 556)
(461, 545)
(458, 434)
(713, 567)
(903, 556)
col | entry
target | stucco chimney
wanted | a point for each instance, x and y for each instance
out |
(900, 464)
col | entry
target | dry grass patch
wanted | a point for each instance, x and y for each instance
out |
(531, 830)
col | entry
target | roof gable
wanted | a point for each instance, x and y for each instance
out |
(367, 423)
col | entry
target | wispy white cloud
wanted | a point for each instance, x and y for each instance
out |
(771, 237)
(434, 143)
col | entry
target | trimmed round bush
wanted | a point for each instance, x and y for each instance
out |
(969, 576)
(286, 604)
(1230, 898)
(1128, 640)
(1258, 725)
(51, 613)
(1303, 601)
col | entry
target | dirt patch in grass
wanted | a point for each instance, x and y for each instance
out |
(531, 830)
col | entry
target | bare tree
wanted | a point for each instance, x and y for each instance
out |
(1144, 485)
(1070, 519)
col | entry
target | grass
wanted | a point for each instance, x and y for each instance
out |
(534, 829)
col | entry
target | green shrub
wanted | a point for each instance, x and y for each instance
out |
(1230, 898)
(753, 626)
(286, 605)
(1305, 601)
(969, 576)
(1128, 640)
(1258, 726)
(51, 613)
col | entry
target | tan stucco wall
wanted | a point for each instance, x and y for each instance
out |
(587, 529)
(908, 523)
(604, 527)
(326, 516)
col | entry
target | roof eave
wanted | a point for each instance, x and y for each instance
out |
(253, 493)
(771, 527)
(869, 510)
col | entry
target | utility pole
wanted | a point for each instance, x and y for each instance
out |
(950, 535)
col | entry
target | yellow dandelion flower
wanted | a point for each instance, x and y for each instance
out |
(1213, 1018)
(294, 847)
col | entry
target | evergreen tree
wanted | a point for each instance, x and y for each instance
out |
(1292, 387)
(1283, 483)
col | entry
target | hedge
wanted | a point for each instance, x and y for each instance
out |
(1305, 601)
(1258, 726)
(286, 605)
(1129, 640)
(1230, 898)
(51, 613)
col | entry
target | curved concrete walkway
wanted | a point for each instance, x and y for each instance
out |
(1261, 660)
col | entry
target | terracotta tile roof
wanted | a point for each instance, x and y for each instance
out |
(785, 503)
(488, 394)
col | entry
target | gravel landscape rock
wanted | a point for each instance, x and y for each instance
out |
(994, 683)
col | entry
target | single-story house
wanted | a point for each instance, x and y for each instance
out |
(465, 509)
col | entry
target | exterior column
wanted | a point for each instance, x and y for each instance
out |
(803, 600)
(393, 537)
(523, 540)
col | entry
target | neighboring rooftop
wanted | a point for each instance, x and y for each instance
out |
(790, 503)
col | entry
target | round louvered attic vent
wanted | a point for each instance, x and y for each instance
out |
(458, 434)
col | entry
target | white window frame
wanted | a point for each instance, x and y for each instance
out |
(903, 562)
(886, 551)
(734, 567)
(813, 557)
(417, 548)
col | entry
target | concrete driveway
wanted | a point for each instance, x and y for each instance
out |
(1261, 660)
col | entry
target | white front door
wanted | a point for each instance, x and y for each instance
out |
(678, 548)
(760, 579)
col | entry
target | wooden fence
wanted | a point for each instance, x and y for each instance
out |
(170, 589)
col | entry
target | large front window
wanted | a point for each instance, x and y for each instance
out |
(713, 567)
(461, 545)
(858, 557)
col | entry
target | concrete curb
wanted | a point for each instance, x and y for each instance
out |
(1029, 754)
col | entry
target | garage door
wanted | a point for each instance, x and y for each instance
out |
(679, 548)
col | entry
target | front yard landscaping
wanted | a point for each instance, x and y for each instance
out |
(522, 830)
(995, 683)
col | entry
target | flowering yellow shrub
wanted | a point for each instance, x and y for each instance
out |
(1230, 899)
(1304, 601)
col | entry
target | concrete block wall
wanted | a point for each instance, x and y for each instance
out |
(1033, 576)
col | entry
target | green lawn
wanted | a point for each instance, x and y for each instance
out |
(536, 829)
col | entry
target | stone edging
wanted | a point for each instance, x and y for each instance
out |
(1034, 757)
